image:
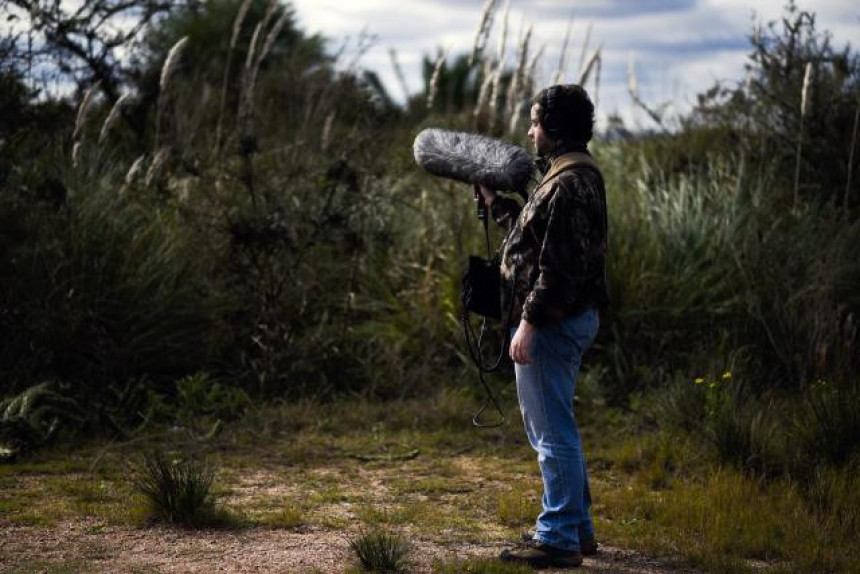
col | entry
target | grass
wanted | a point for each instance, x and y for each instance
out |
(480, 566)
(520, 505)
(654, 492)
(380, 551)
(179, 491)
(288, 516)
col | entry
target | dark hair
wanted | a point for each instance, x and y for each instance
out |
(566, 112)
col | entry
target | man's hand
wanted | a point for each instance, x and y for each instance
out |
(523, 343)
(488, 194)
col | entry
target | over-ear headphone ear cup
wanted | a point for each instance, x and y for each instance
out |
(549, 123)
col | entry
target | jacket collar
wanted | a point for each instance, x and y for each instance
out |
(566, 161)
(562, 147)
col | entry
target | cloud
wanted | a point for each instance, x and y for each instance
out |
(681, 47)
(590, 9)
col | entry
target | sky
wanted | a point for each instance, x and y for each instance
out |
(678, 48)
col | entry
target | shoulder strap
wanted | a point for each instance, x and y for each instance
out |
(574, 160)
(569, 161)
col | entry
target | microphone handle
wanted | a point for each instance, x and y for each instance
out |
(480, 203)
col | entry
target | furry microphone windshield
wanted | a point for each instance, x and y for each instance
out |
(473, 158)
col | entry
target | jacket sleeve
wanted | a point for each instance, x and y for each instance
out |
(505, 211)
(563, 260)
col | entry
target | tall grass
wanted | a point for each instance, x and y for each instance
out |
(726, 521)
(312, 257)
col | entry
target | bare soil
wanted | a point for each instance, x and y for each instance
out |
(89, 546)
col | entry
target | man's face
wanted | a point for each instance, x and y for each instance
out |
(542, 142)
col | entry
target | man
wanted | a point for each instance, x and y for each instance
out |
(554, 262)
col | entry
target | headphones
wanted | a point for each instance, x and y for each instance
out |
(548, 119)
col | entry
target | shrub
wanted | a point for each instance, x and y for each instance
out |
(827, 424)
(33, 417)
(178, 491)
(379, 551)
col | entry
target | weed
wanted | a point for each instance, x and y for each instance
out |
(480, 566)
(178, 491)
(380, 551)
(518, 506)
(289, 516)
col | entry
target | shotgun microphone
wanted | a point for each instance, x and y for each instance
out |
(474, 159)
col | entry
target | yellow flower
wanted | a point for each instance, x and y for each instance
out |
(727, 375)
(699, 381)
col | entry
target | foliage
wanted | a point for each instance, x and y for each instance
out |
(278, 242)
(762, 114)
(198, 395)
(78, 40)
(828, 423)
(32, 418)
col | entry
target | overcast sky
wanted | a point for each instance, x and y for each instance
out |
(679, 47)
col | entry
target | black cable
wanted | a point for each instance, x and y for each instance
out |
(475, 349)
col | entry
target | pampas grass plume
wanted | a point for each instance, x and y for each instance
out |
(595, 58)
(134, 170)
(805, 92)
(76, 154)
(632, 84)
(559, 72)
(434, 80)
(237, 23)
(273, 35)
(113, 117)
(83, 111)
(171, 63)
(156, 167)
(483, 33)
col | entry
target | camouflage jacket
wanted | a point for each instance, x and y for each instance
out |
(553, 258)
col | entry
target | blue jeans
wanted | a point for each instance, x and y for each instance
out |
(545, 389)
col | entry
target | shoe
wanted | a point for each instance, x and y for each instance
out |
(587, 546)
(540, 555)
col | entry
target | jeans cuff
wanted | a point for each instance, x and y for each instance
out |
(561, 545)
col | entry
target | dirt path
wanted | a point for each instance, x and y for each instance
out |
(296, 501)
(89, 546)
